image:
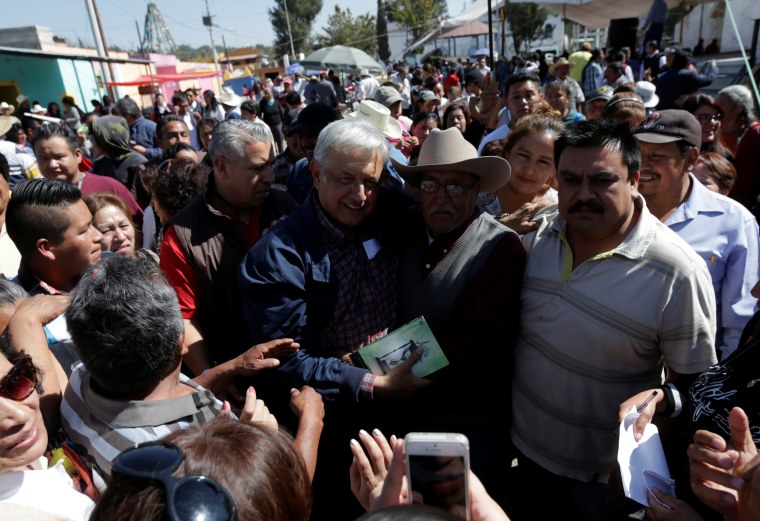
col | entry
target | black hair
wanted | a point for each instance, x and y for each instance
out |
(249, 106)
(617, 66)
(5, 170)
(179, 98)
(293, 98)
(521, 77)
(424, 116)
(12, 134)
(601, 133)
(172, 151)
(61, 130)
(30, 123)
(161, 125)
(34, 212)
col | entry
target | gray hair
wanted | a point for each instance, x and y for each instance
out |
(128, 107)
(125, 321)
(739, 95)
(10, 292)
(350, 134)
(232, 135)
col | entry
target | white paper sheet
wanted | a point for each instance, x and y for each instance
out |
(636, 457)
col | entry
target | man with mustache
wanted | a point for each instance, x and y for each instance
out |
(722, 231)
(463, 272)
(610, 295)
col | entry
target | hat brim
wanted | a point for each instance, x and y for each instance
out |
(493, 172)
(388, 102)
(653, 102)
(652, 137)
(392, 128)
(6, 122)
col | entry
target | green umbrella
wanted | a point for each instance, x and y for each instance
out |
(341, 58)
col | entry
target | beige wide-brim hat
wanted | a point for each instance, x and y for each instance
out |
(646, 90)
(559, 63)
(229, 98)
(5, 106)
(449, 150)
(5, 124)
(379, 116)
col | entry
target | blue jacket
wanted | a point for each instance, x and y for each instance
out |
(289, 291)
(143, 132)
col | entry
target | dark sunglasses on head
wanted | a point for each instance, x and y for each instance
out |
(20, 381)
(190, 498)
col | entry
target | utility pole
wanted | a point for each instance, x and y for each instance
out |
(290, 34)
(100, 42)
(208, 23)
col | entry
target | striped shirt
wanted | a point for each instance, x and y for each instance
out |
(596, 335)
(101, 428)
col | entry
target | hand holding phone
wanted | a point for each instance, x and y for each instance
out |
(437, 470)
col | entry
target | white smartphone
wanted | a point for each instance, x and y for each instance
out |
(437, 470)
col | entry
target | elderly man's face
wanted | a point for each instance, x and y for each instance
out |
(246, 180)
(664, 169)
(595, 196)
(347, 185)
(442, 210)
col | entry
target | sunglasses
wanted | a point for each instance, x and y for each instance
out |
(20, 381)
(452, 190)
(190, 498)
(706, 118)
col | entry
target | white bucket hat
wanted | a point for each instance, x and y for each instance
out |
(379, 117)
(647, 90)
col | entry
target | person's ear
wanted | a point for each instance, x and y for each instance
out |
(78, 155)
(691, 158)
(220, 167)
(182, 349)
(315, 172)
(45, 248)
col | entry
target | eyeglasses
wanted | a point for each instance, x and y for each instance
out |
(20, 381)
(707, 118)
(452, 190)
(190, 498)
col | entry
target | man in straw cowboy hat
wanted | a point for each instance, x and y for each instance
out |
(561, 69)
(463, 272)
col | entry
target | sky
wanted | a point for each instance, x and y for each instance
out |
(242, 22)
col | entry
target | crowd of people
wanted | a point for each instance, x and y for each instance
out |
(180, 297)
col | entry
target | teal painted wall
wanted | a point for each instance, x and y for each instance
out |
(38, 78)
(47, 79)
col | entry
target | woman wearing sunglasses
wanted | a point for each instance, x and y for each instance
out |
(223, 471)
(710, 115)
(25, 477)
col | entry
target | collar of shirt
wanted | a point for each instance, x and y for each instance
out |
(334, 237)
(699, 201)
(434, 250)
(33, 284)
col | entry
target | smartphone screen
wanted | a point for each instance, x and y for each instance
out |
(439, 481)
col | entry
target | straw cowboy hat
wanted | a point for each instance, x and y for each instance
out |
(379, 117)
(229, 98)
(4, 106)
(38, 109)
(5, 124)
(561, 61)
(449, 150)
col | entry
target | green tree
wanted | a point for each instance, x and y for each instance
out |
(526, 22)
(418, 17)
(302, 13)
(345, 29)
(383, 48)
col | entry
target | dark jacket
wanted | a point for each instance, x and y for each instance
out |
(214, 248)
(289, 290)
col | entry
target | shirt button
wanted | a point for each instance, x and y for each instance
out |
(427, 266)
(445, 251)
